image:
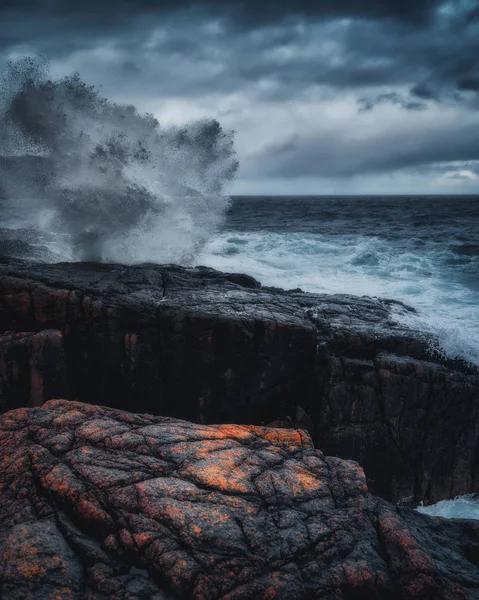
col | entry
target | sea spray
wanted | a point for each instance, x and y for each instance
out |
(116, 184)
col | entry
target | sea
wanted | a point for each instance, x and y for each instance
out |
(422, 250)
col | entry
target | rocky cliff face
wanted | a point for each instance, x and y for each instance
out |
(214, 348)
(99, 503)
(32, 368)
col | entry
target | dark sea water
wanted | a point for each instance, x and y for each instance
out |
(421, 250)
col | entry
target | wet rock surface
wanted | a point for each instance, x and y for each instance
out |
(32, 368)
(99, 503)
(211, 347)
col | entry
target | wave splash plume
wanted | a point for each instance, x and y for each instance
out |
(104, 181)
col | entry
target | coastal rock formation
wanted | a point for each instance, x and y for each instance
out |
(98, 503)
(210, 347)
(32, 368)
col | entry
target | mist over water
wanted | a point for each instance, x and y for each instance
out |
(102, 181)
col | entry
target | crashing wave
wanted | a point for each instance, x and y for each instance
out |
(119, 186)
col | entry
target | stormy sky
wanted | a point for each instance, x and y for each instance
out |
(343, 96)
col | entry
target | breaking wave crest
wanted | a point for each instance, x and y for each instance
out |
(103, 181)
(426, 278)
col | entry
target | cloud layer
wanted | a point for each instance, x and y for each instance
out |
(351, 95)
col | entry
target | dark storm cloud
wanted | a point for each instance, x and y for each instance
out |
(247, 11)
(469, 84)
(406, 54)
(368, 103)
(424, 91)
(338, 155)
(382, 42)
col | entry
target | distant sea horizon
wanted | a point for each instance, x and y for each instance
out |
(405, 196)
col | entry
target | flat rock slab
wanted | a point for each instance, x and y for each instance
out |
(214, 347)
(99, 503)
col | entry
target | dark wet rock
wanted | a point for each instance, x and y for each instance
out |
(32, 368)
(19, 247)
(99, 503)
(210, 347)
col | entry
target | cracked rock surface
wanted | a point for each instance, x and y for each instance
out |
(212, 347)
(99, 503)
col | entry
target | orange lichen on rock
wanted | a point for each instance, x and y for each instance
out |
(69, 418)
(61, 481)
(404, 542)
(227, 471)
(220, 512)
(235, 432)
(358, 574)
(38, 559)
(200, 450)
(296, 438)
(91, 511)
(418, 567)
(284, 438)
(293, 482)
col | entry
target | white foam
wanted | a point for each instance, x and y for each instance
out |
(359, 265)
(462, 507)
(457, 335)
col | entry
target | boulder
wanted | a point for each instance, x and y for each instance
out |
(103, 504)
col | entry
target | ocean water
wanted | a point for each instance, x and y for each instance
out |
(421, 250)
(462, 507)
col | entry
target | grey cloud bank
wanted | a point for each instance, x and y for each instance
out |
(346, 96)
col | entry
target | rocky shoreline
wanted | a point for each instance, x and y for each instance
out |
(100, 503)
(209, 347)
